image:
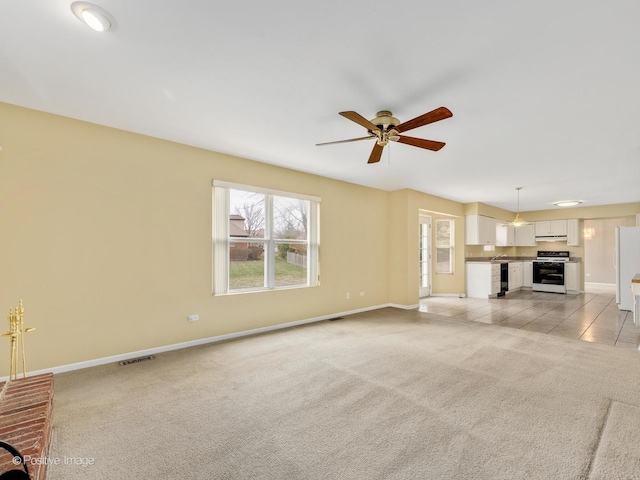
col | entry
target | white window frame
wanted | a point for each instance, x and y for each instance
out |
(222, 241)
(450, 246)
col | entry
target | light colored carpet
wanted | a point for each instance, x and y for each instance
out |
(388, 394)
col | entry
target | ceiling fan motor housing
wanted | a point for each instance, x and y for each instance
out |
(384, 119)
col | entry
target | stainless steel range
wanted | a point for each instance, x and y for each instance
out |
(548, 271)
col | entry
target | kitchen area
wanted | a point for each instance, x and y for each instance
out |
(502, 259)
(527, 257)
(532, 278)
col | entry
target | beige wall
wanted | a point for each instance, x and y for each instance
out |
(406, 206)
(106, 235)
(437, 207)
(602, 211)
(400, 267)
(598, 265)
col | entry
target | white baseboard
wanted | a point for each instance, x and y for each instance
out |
(403, 307)
(201, 341)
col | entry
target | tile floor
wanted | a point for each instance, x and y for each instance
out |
(591, 316)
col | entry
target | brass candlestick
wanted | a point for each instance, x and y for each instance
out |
(16, 334)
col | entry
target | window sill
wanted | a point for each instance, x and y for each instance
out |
(262, 290)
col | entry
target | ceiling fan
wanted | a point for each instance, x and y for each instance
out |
(386, 127)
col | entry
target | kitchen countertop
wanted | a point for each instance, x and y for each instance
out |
(511, 259)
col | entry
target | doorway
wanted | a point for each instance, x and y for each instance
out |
(424, 256)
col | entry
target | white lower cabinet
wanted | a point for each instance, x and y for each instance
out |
(572, 272)
(515, 276)
(527, 274)
(483, 279)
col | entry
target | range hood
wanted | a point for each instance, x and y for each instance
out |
(551, 238)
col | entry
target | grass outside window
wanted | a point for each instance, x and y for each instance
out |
(250, 274)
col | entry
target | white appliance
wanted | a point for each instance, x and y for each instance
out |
(548, 271)
(627, 263)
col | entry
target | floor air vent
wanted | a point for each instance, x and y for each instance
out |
(136, 360)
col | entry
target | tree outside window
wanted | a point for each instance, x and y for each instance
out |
(270, 239)
(444, 246)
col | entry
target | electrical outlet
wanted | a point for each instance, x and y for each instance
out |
(362, 294)
(348, 295)
(193, 318)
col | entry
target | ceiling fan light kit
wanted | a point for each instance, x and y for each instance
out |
(385, 127)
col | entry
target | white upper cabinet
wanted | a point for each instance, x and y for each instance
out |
(525, 236)
(480, 230)
(505, 234)
(551, 228)
(573, 232)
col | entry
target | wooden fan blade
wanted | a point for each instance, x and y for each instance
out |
(433, 116)
(376, 153)
(346, 141)
(421, 142)
(360, 120)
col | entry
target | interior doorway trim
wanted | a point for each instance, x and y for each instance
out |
(424, 255)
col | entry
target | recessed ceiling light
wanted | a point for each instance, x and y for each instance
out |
(568, 203)
(95, 17)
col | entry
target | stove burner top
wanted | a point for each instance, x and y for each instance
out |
(553, 256)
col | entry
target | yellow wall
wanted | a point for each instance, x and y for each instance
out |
(478, 208)
(405, 207)
(399, 244)
(628, 210)
(437, 207)
(106, 235)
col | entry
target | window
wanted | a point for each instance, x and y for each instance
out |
(263, 239)
(444, 246)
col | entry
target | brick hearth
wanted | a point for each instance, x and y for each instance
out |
(26, 408)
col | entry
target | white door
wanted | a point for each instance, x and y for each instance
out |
(424, 256)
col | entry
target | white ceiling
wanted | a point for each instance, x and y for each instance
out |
(545, 94)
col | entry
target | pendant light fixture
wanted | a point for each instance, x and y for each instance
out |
(518, 221)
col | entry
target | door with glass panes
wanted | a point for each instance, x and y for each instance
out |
(424, 256)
